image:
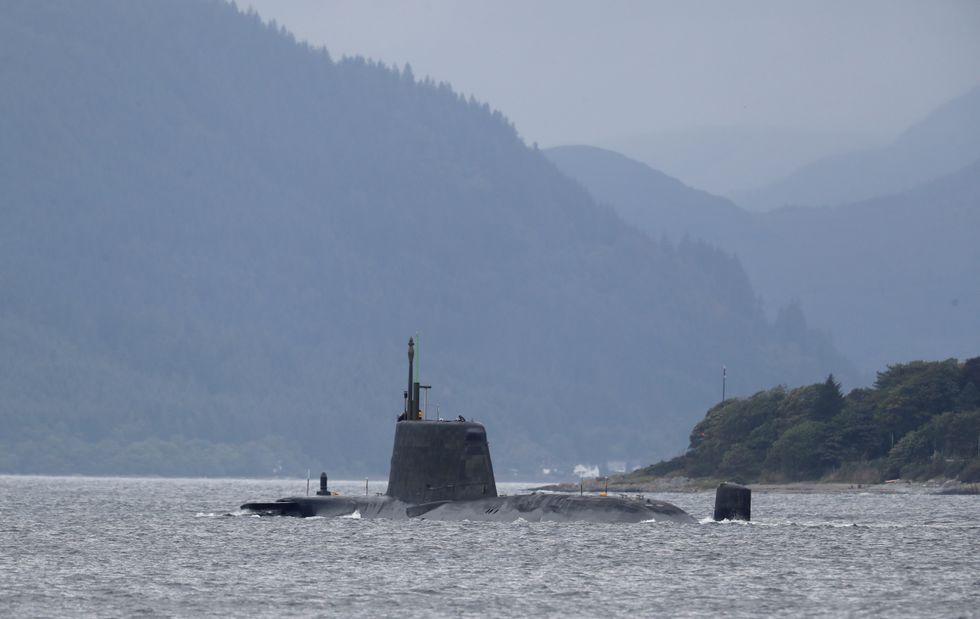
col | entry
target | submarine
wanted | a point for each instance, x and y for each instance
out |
(441, 470)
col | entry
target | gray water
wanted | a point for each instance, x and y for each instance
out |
(124, 547)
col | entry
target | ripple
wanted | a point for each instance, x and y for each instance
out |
(121, 547)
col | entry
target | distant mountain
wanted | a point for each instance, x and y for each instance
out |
(215, 242)
(729, 161)
(893, 278)
(656, 203)
(942, 143)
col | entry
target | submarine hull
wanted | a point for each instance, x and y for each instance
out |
(441, 470)
(528, 507)
(331, 506)
(558, 508)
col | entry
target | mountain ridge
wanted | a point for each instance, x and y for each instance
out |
(943, 142)
(891, 277)
(729, 161)
(215, 238)
(623, 183)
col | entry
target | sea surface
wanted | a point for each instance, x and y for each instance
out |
(122, 547)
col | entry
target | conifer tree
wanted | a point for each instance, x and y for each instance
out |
(830, 400)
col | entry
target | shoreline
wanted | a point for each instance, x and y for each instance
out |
(683, 485)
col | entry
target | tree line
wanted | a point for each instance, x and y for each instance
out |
(919, 420)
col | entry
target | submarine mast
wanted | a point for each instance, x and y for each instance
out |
(412, 395)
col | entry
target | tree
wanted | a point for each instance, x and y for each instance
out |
(805, 451)
(968, 398)
(970, 372)
(830, 400)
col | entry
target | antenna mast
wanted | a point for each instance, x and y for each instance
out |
(413, 391)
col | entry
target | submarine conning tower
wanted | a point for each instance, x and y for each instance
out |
(437, 460)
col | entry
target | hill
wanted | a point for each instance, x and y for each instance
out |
(215, 242)
(730, 161)
(920, 420)
(891, 278)
(894, 277)
(658, 204)
(940, 144)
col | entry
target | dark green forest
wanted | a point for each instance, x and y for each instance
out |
(920, 420)
(215, 242)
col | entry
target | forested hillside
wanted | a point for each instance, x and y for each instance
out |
(215, 243)
(920, 420)
(895, 277)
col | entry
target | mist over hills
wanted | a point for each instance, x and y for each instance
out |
(730, 161)
(944, 142)
(895, 278)
(215, 242)
(658, 204)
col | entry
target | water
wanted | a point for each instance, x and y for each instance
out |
(124, 547)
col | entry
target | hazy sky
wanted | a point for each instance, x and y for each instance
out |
(569, 71)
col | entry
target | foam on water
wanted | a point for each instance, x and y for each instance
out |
(240, 513)
(710, 520)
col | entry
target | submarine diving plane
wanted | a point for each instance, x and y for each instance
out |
(441, 470)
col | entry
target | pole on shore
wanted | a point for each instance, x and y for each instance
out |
(724, 379)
